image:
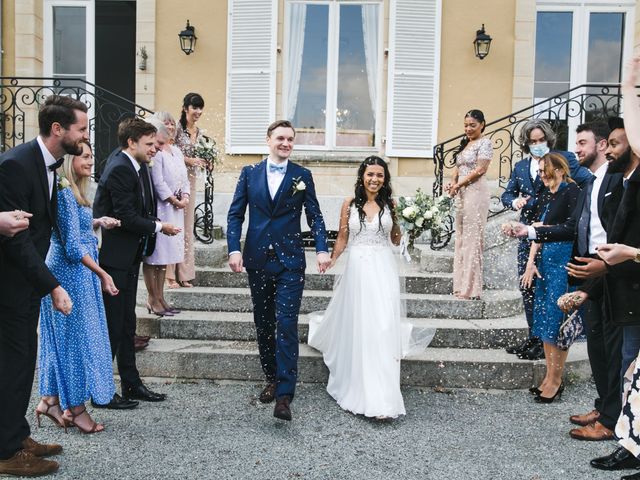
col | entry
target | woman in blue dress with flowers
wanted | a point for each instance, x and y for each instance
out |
(557, 203)
(75, 355)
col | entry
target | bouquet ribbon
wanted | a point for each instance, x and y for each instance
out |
(404, 247)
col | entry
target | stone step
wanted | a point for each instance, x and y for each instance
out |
(418, 282)
(211, 255)
(235, 326)
(493, 303)
(451, 368)
(435, 261)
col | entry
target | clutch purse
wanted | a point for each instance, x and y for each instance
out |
(570, 330)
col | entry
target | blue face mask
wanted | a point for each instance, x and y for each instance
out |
(539, 150)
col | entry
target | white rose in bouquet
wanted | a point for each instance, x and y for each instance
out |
(419, 221)
(428, 215)
(409, 213)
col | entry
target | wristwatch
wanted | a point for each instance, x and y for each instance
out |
(637, 257)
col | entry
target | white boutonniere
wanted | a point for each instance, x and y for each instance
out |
(63, 183)
(150, 164)
(298, 186)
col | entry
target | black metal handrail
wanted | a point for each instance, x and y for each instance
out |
(587, 103)
(20, 98)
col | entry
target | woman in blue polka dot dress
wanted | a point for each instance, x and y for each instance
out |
(75, 355)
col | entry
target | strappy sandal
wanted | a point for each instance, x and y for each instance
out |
(185, 284)
(94, 427)
(60, 422)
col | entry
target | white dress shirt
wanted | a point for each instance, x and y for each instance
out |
(597, 234)
(274, 179)
(48, 160)
(533, 171)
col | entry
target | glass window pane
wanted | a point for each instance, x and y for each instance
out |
(357, 75)
(605, 47)
(307, 72)
(69, 41)
(553, 52)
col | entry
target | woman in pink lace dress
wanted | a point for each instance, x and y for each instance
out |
(469, 187)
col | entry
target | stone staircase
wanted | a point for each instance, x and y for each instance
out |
(214, 338)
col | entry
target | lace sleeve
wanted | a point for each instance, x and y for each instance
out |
(485, 149)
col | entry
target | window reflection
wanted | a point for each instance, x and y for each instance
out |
(605, 47)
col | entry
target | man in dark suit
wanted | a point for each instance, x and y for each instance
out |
(276, 190)
(587, 226)
(124, 192)
(522, 192)
(28, 183)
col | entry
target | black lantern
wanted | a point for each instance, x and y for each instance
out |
(482, 43)
(188, 39)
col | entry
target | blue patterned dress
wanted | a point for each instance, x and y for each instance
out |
(75, 355)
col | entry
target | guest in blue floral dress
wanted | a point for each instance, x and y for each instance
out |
(550, 274)
(75, 354)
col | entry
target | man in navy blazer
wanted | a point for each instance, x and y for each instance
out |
(276, 190)
(537, 139)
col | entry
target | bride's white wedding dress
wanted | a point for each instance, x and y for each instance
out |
(361, 334)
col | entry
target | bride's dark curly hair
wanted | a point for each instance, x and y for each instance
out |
(384, 194)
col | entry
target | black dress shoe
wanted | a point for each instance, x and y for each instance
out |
(282, 410)
(521, 347)
(117, 403)
(620, 459)
(535, 352)
(142, 393)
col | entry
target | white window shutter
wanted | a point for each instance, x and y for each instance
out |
(251, 74)
(414, 62)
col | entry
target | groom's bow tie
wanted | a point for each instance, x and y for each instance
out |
(54, 166)
(273, 168)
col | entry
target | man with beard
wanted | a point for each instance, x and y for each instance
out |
(587, 227)
(28, 183)
(125, 193)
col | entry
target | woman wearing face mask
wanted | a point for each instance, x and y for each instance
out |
(470, 186)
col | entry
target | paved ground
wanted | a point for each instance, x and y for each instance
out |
(217, 430)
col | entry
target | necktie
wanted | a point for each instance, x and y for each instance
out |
(273, 168)
(585, 220)
(54, 166)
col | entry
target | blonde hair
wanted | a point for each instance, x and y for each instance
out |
(555, 161)
(79, 186)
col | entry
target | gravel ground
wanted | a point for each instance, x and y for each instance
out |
(218, 430)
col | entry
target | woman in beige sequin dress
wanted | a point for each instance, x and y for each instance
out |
(187, 137)
(470, 188)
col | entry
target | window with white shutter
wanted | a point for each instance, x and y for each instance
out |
(414, 61)
(251, 74)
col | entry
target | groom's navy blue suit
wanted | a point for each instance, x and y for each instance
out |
(274, 258)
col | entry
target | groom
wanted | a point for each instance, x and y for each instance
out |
(275, 191)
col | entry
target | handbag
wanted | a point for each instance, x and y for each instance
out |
(570, 330)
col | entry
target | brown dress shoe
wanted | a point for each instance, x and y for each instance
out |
(41, 449)
(26, 464)
(268, 394)
(586, 419)
(282, 410)
(593, 432)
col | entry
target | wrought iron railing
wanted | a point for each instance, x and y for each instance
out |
(586, 103)
(21, 97)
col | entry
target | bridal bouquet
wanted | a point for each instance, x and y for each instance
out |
(421, 213)
(207, 150)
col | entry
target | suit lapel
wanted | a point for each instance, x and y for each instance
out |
(260, 173)
(285, 186)
(41, 168)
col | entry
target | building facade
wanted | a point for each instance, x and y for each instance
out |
(357, 77)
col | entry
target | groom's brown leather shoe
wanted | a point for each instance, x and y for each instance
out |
(282, 410)
(586, 419)
(41, 449)
(593, 432)
(268, 394)
(26, 464)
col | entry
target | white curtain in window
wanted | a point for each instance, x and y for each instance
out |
(295, 49)
(370, 26)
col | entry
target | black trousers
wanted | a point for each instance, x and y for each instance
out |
(121, 321)
(604, 346)
(18, 352)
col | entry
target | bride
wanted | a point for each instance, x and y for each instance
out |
(360, 333)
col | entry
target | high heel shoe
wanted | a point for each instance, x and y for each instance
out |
(60, 422)
(161, 313)
(535, 391)
(72, 421)
(558, 394)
